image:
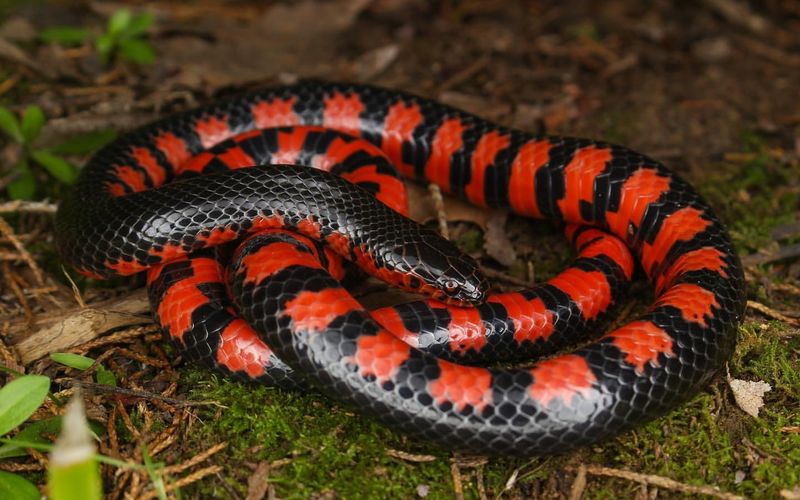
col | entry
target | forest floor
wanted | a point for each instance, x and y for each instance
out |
(710, 88)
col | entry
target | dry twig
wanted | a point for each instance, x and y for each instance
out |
(409, 457)
(579, 485)
(34, 207)
(464, 74)
(15, 467)
(441, 215)
(63, 330)
(739, 13)
(458, 483)
(178, 468)
(185, 481)
(772, 313)
(8, 232)
(150, 396)
(659, 481)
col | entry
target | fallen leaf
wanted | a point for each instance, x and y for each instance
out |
(712, 49)
(490, 109)
(793, 494)
(11, 52)
(374, 62)
(527, 116)
(496, 241)
(749, 395)
(56, 65)
(560, 112)
(18, 29)
(257, 483)
(422, 210)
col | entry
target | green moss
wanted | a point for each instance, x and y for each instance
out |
(585, 29)
(618, 125)
(750, 195)
(471, 240)
(766, 351)
(551, 265)
(330, 448)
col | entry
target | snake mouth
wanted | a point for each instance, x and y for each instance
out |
(466, 293)
(474, 294)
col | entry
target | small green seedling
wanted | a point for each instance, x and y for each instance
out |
(23, 187)
(102, 374)
(25, 132)
(123, 38)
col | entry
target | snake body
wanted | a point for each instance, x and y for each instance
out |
(139, 205)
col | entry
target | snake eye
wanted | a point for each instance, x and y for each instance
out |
(451, 286)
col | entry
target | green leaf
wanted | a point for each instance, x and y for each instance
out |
(139, 24)
(37, 432)
(85, 143)
(19, 399)
(10, 124)
(105, 46)
(105, 377)
(72, 360)
(137, 51)
(64, 35)
(32, 121)
(27, 444)
(73, 472)
(58, 167)
(119, 22)
(24, 186)
(156, 473)
(15, 487)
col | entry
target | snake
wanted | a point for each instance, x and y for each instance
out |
(244, 265)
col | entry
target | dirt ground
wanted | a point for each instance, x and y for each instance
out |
(710, 88)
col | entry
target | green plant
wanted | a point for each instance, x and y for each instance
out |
(102, 374)
(19, 399)
(73, 469)
(73, 472)
(25, 132)
(123, 38)
(155, 470)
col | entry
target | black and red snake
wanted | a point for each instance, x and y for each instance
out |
(140, 203)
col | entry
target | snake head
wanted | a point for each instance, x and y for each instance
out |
(443, 272)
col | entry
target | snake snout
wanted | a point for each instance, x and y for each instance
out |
(468, 292)
(454, 276)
